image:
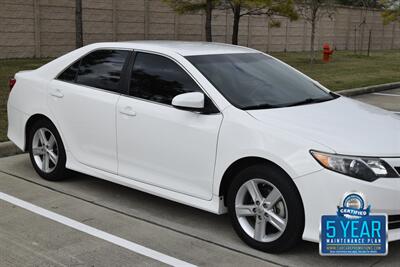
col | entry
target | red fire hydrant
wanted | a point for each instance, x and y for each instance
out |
(327, 52)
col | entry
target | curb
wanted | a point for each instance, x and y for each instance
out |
(9, 149)
(369, 89)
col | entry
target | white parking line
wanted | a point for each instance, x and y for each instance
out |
(95, 232)
(385, 94)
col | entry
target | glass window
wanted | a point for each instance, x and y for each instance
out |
(70, 73)
(254, 81)
(159, 79)
(102, 69)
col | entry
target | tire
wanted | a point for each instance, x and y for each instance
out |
(48, 157)
(254, 223)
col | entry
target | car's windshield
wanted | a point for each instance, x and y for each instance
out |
(255, 81)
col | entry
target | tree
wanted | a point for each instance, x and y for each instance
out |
(242, 8)
(78, 23)
(312, 11)
(391, 10)
(189, 6)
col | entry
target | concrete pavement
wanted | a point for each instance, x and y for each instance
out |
(189, 234)
(179, 231)
(29, 239)
(389, 99)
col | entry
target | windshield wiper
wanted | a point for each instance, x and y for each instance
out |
(260, 106)
(308, 101)
(302, 102)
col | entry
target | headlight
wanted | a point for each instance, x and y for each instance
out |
(368, 169)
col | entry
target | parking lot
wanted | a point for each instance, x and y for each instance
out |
(84, 221)
(389, 99)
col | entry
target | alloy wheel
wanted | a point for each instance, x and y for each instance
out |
(261, 210)
(45, 150)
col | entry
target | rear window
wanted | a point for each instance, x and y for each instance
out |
(69, 75)
(100, 69)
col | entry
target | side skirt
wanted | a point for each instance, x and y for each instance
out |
(215, 205)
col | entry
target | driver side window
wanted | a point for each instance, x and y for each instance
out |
(159, 79)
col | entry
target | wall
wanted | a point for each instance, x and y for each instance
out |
(46, 28)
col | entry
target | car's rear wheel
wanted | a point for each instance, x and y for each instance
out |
(265, 209)
(47, 151)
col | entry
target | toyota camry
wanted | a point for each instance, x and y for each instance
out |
(218, 127)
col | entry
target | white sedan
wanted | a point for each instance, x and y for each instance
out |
(218, 127)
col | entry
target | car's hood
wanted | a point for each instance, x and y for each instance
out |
(347, 126)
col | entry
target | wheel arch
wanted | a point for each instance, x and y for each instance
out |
(32, 119)
(294, 228)
(245, 162)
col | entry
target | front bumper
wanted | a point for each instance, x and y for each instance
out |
(323, 190)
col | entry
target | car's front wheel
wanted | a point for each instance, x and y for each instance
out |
(47, 151)
(265, 208)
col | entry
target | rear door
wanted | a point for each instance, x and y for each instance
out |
(159, 144)
(83, 99)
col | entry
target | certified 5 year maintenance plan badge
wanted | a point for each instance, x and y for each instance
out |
(353, 230)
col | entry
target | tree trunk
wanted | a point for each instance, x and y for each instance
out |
(236, 21)
(78, 23)
(209, 9)
(312, 49)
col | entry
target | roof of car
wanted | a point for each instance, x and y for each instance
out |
(183, 48)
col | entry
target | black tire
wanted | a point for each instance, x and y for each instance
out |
(295, 218)
(58, 172)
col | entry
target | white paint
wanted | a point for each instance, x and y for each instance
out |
(99, 149)
(183, 156)
(95, 232)
(167, 147)
(385, 94)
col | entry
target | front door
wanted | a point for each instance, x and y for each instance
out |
(159, 144)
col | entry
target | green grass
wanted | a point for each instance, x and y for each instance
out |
(346, 71)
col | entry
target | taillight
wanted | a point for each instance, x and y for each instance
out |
(11, 83)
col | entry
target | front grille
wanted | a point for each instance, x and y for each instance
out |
(394, 221)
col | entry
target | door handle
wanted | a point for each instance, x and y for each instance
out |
(57, 93)
(127, 111)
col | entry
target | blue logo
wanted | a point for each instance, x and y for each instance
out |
(353, 206)
(353, 230)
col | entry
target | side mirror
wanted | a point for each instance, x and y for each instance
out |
(189, 101)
